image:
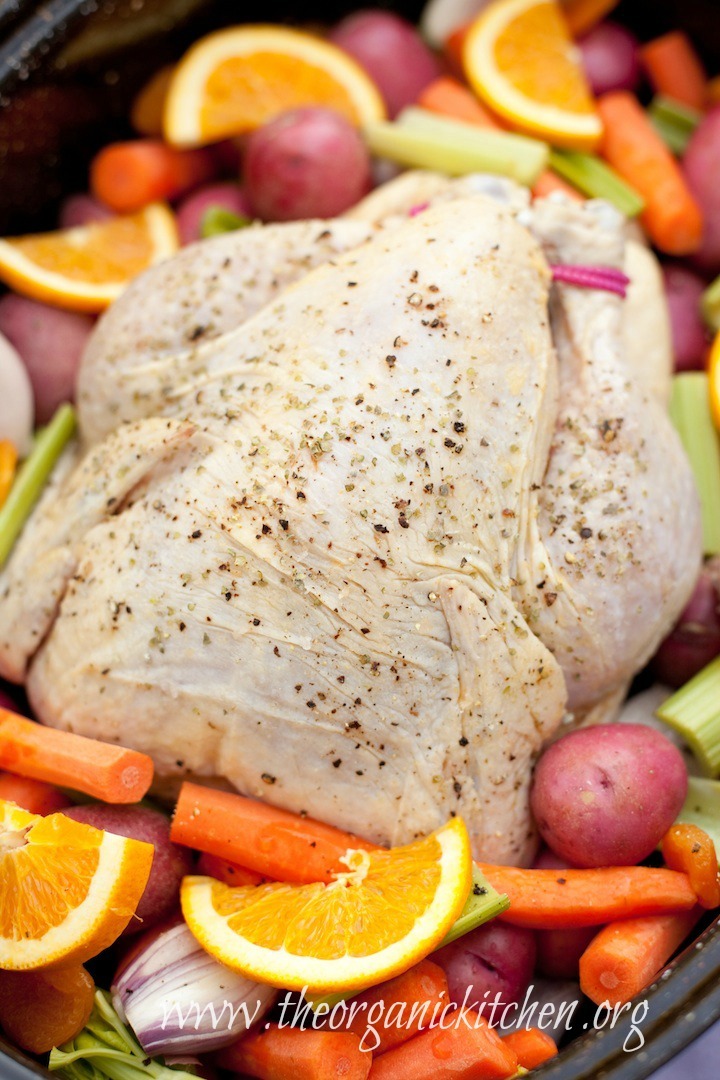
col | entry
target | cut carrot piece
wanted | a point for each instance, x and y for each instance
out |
(675, 69)
(228, 872)
(111, 773)
(275, 843)
(453, 50)
(8, 468)
(448, 97)
(689, 849)
(289, 1053)
(626, 956)
(582, 15)
(413, 997)
(128, 176)
(462, 1047)
(532, 1047)
(631, 145)
(35, 796)
(556, 899)
(549, 182)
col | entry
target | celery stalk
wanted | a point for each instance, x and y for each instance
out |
(456, 148)
(702, 808)
(217, 220)
(694, 711)
(596, 180)
(710, 305)
(673, 122)
(32, 477)
(690, 413)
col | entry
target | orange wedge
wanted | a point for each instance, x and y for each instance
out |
(236, 79)
(67, 890)
(714, 380)
(86, 268)
(521, 60)
(388, 911)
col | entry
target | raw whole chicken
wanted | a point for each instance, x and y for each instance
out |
(363, 510)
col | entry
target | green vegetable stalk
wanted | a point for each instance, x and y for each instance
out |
(596, 180)
(694, 711)
(690, 413)
(673, 122)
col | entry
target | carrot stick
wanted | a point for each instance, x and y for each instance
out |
(35, 796)
(631, 145)
(675, 69)
(448, 97)
(408, 1002)
(453, 49)
(689, 849)
(462, 1047)
(626, 956)
(548, 182)
(275, 843)
(111, 773)
(288, 1053)
(532, 1047)
(127, 176)
(558, 899)
(582, 15)
(228, 872)
(8, 468)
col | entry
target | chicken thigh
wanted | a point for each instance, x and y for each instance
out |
(360, 561)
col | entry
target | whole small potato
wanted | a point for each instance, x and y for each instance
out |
(494, 959)
(191, 211)
(82, 209)
(606, 795)
(170, 861)
(700, 164)
(683, 290)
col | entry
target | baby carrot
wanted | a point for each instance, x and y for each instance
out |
(626, 956)
(557, 899)
(111, 773)
(631, 145)
(462, 1047)
(275, 843)
(408, 1001)
(127, 176)
(532, 1047)
(548, 182)
(675, 69)
(582, 15)
(689, 849)
(448, 97)
(228, 872)
(288, 1053)
(35, 796)
(453, 49)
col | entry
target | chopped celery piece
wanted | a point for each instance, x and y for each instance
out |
(673, 122)
(106, 1050)
(694, 711)
(690, 413)
(483, 904)
(217, 220)
(32, 477)
(425, 141)
(702, 808)
(596, 180)
(710, 305)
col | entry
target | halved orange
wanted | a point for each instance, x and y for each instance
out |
(521, 60)
(86, 268)
(387, 912)
(234, 80)
(67, 890)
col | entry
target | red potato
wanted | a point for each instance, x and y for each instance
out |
(610, 57)
(606, 795)
(391, 51)
(701, 165)
(50, 343)
(306, 163)
(495, 958)
(559, 951)
(82, 209)
(190, 212)
(170, 862)
(695, 639)
(683, 290)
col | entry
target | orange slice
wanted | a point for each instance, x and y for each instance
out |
(520, 59)
(67, 890)
(388, 911)
(714, 380)
(236, 79)
(85, 269)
